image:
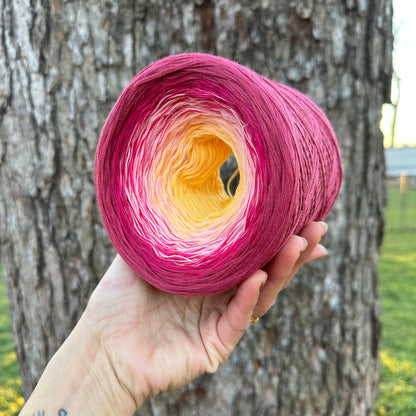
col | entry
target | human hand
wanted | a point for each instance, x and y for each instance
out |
(156, 341)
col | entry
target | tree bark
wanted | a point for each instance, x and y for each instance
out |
(63, 65)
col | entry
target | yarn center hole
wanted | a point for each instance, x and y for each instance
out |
(230, 175)
(203, 184)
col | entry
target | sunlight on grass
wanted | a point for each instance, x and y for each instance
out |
(8, 360)
(406, 259)
(404, 368)
(11, 400)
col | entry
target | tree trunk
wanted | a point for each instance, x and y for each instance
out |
(62, 66)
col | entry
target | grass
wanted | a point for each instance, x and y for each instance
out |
(398, 298)
(11, 399)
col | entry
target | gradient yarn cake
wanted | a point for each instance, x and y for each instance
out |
(158, 184)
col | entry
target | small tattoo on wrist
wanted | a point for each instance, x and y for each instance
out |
(61, 412)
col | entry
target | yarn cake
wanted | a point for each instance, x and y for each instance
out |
(157, 172)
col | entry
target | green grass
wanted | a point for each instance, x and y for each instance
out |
(398, 298)
(11, 400)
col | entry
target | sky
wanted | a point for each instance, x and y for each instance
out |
(404, 64)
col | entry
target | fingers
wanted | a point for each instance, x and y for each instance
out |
(313, 233)
(279, 268)
(317, 253)
(258, 293)
(235, 320)
(297, 251)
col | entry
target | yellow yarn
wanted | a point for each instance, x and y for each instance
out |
(190, 167)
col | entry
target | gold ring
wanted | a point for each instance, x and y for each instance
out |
(253, 319)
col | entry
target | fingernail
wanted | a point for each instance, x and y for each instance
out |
(305, 244)
(325, 225)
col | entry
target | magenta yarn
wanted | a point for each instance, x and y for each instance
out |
(157, 172)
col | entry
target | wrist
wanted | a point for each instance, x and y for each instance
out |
(115, 336)
(80, 379)
(104, 388)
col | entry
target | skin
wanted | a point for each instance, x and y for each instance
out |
(134, 341)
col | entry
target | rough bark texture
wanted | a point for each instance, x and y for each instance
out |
(62, 66)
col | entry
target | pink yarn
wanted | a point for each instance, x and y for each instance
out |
(287, 154)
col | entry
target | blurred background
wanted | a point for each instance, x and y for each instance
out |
(398, 260)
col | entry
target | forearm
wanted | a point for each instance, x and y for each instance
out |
(79, 380)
